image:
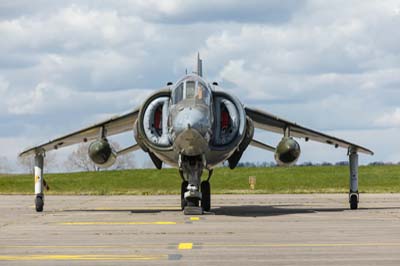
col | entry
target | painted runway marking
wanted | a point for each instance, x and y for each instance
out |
(118, 223)
(82, 257)
(194, 218)
(185, 246)
(84, 247)
(137, 208)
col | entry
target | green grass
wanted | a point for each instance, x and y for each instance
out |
(321, 179)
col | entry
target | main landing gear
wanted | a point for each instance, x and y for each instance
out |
(195, 195)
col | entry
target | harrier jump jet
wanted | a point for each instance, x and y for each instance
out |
(193, 125)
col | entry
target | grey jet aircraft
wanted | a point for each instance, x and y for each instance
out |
(194, 126)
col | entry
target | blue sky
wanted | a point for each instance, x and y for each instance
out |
(330, 65)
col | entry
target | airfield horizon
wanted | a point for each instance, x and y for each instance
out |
(269, 180)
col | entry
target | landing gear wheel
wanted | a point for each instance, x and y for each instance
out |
(206, 196)
(192, 202)
(183, 190)
(353, 202)
(39, 203)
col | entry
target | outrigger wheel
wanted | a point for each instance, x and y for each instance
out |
(353, 202)
(206, 196)
(39, 203)
(183, 190)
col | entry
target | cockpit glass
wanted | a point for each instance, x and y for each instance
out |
(190, 89)
(178, 94)
(202, 94)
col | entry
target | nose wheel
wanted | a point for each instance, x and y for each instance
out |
(194, 202)
(184, 186)
(206, 196)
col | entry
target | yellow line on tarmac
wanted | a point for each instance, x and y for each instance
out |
(83, 247)
(304, 245)
(194, 218)
(150, 208)
(80, 257)
(118, 223)
(185, 246)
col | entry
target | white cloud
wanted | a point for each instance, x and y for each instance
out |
(327, 65)
(4, 84)
(391, 119)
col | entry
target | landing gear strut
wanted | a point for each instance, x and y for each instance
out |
(39, 200)
(353, 194)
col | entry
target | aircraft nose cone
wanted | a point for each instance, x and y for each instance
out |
(190, 128)
(190, 118)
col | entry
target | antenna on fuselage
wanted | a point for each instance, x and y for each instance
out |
(199, 65)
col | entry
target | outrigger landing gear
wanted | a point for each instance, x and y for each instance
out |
(39, 200)
(353, 194)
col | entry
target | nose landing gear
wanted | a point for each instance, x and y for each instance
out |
(193, 191)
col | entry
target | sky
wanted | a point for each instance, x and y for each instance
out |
(333, 66)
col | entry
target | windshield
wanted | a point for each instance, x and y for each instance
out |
(190, 89)
(177, 94)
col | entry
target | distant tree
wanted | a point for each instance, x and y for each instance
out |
(27, 163)
(126, 161)
(79, 159)
(342, 163)
(376, 163)
(4, 165)
(326, 164)
(50, 162)
(306, 164)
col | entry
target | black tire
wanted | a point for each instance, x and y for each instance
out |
(353, 202)
(39, 203)
(206, 196)
(183, 190)
(192, 202)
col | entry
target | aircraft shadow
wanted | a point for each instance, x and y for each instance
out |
(262, 211)
(138, 211)
(240, 211)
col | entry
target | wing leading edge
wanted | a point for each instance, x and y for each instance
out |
(112, 126)
(269, 122)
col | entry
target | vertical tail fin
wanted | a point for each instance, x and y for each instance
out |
(199, 65)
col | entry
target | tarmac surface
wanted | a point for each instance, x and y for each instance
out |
(240, 230)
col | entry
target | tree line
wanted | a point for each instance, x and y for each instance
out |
(78, 160)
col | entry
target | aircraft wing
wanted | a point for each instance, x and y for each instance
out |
(270, 122)
(112, 126)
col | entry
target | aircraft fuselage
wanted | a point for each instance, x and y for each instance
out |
(191, 119)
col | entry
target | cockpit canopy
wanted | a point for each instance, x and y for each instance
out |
(191, 89)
